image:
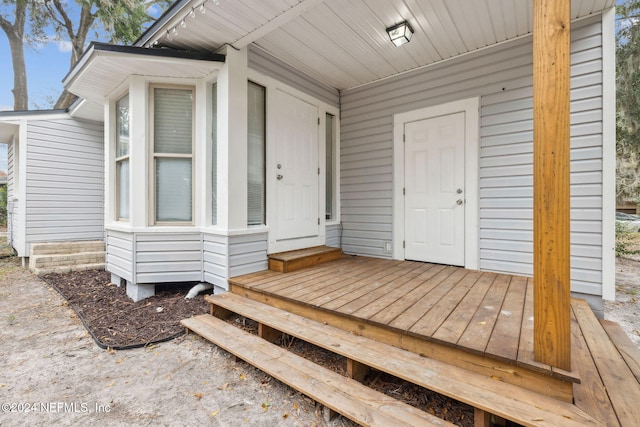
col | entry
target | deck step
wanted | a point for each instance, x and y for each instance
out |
(343, 395)
(285, 262)
(483, 393)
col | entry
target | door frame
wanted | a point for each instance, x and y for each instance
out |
(470, 107)
(271, 84)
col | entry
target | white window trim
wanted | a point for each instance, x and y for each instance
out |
(118, 160)
(153, 156)
(472, 146)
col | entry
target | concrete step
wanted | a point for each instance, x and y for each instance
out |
(66, 247)
(68, 269)
(68, 259)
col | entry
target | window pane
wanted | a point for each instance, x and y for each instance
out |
(173, 119)
(256, 155)
(123, 189)
(122, 126)
(173, 189)
(214, 155)
(329, 162)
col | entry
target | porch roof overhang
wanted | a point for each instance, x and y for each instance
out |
(104, 67)
(344, 44)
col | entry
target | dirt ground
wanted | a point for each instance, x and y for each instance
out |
(626, 309)
(53, 373)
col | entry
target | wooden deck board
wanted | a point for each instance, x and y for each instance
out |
(432, 319)
(454, 326)
(406, 301)
(401, 275)
(478, 333)
(506, 333)
(629, 351)
(387, 298)
(590, 395)
(623, 393)
(373, 294)
(355, 273)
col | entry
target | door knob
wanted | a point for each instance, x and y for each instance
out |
(459, 201)
(279, 177)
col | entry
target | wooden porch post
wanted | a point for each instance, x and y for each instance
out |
(551, 275)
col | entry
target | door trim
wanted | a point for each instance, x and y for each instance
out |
(471, 157)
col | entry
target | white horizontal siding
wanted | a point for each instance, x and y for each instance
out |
(261, 61)
(65, 181)
(119, 254)
(168, 257)
(247, 254)
(215, 251)
(502, 78)
(333, 233)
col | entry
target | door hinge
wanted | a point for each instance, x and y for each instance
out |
(404, 138)
(403, 244)
(318, 121)
(404, 191)
(318, 220)
(318, 171)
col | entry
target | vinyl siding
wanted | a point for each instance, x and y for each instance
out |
(247, 254)
(153, 257)
(265, 63)
(119, 258)
(13, 234)
(65, 181)
(164, 257)
(502, 78)
(333, 233)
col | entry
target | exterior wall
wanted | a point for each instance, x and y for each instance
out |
(119, 259)
(265, 63)
(193, 256)
(333, 233)
(164, 257)
(64, 181)
(502, 78)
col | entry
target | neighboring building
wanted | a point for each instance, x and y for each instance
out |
(307, 126)
(55, 186)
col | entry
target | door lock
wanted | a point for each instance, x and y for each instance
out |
(459, 191)
(279, 177)
(459, 202)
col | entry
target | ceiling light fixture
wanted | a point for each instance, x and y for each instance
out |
(400, 33)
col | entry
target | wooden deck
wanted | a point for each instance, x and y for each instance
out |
(479, 321)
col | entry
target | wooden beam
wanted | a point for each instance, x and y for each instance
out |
(551, 121)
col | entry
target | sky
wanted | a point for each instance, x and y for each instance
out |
(46, 65)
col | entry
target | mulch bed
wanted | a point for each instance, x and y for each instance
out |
(114, 320)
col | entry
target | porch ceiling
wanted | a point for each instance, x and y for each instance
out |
(344, 43)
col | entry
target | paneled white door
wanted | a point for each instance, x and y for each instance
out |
(297, 176)
(434, 189)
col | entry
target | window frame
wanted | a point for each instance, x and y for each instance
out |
(153, 156)
(264, 156)
(118, 160)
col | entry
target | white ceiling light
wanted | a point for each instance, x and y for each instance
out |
(400, 33)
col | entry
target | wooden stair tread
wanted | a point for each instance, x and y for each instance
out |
(284, 262)
(618, 378)
(493, 396)
(344, 395)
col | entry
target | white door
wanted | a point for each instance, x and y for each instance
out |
(434, 189)
(297, 176)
